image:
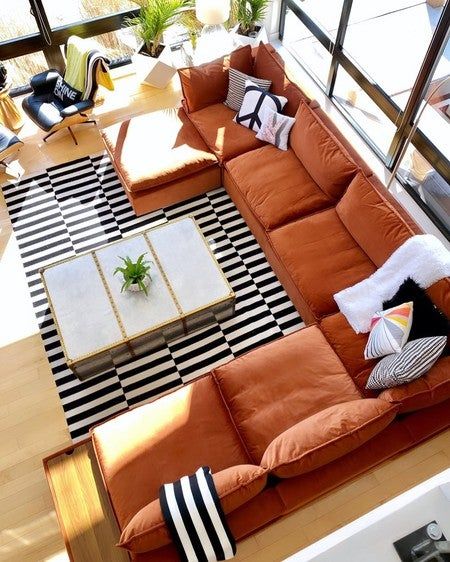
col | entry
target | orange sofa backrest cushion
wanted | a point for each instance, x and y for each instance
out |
(207, 84)
(270, 66)
(235, 486)
(325, 159)
(326, 436)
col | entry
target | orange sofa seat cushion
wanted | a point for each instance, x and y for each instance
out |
(270, 66)
(430, 389)
(276, 186)
(349, 346)
(156, 148)
(279, 384)
(363, 205)
(326, 436)
(321, 258)
(162, 441)
(235, 486)
(223, 136)
(326, 160)
(207, 83)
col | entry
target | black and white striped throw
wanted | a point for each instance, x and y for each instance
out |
(194, 516)
(81, 205)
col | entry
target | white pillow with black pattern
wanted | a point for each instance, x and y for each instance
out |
(236, 87)
(414, 360)
(254, 104)
(275, 128)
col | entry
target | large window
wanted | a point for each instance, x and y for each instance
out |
(379, 62)
(33, 31)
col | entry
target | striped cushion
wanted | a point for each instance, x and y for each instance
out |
(416, 358)
(236, 88)
(389, 331)
(275, 128)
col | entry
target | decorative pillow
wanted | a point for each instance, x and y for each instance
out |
(428, 320)
(326, 436)
(415, 359)
(66, 93)
(235, 486)
(389, 331)
(236, 87)
(275, 128)
(255, 101)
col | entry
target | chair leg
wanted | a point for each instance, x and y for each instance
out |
(73, 136)
(49, 135)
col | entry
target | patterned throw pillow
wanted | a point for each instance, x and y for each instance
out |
(389, 331)
(66, 93)
(255, 102)
(236, 87)
(275, 128)
(415, 359)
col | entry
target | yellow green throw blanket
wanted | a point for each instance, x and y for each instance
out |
(83, 59)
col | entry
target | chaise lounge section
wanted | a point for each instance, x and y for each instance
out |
(291, 420)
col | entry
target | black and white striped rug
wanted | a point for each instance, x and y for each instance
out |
(81, 205)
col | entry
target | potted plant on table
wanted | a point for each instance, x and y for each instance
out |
(152, 59)
(248, 16)
(136, 276)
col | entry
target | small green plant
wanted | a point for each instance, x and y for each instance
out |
(154, 18)
(134, 273)
(248, 13)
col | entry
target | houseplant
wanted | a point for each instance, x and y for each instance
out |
(152, 60)
(249, 15)
(136, 276)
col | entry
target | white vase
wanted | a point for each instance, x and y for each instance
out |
(134, 287)
(254, 41)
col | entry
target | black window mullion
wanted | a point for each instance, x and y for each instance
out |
(312, 25)
(430, 62)
(338, 45)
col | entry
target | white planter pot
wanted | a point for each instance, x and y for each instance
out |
(156, 72)
(134, 287)
(240, 40)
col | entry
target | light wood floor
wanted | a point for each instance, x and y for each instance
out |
(32, 423)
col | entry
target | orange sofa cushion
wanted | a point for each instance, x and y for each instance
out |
(321, 258)
(326, 436)
(156, 148)
(430, 389)
(279, 384)
(235, 486)
(363, 205)
(207, 83)
(223, 136)
(349, 346)
(276, 185)
(326, 160)
(162, 441)
(270, 66)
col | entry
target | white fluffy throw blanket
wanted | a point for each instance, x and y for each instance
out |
(423, 258)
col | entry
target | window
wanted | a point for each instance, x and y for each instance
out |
(378, 62)
(72, 11)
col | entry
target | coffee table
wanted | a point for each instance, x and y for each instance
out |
(100, 327)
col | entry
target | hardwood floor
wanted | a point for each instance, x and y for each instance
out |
(32, 423)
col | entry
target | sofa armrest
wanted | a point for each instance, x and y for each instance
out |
(77, 107)
(44, 82)
(207, 84)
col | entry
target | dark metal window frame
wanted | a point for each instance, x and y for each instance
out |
(34, 42)
(402, 119)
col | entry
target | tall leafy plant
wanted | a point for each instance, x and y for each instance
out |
(248, 13)
(154, 18)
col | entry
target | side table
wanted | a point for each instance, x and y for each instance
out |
(9, 114)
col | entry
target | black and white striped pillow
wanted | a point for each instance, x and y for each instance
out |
(236, 88)
(254, 105)
(416, 358)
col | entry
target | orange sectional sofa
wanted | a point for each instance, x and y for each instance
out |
(291, 420)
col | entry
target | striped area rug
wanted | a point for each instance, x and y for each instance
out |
(81, 205)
